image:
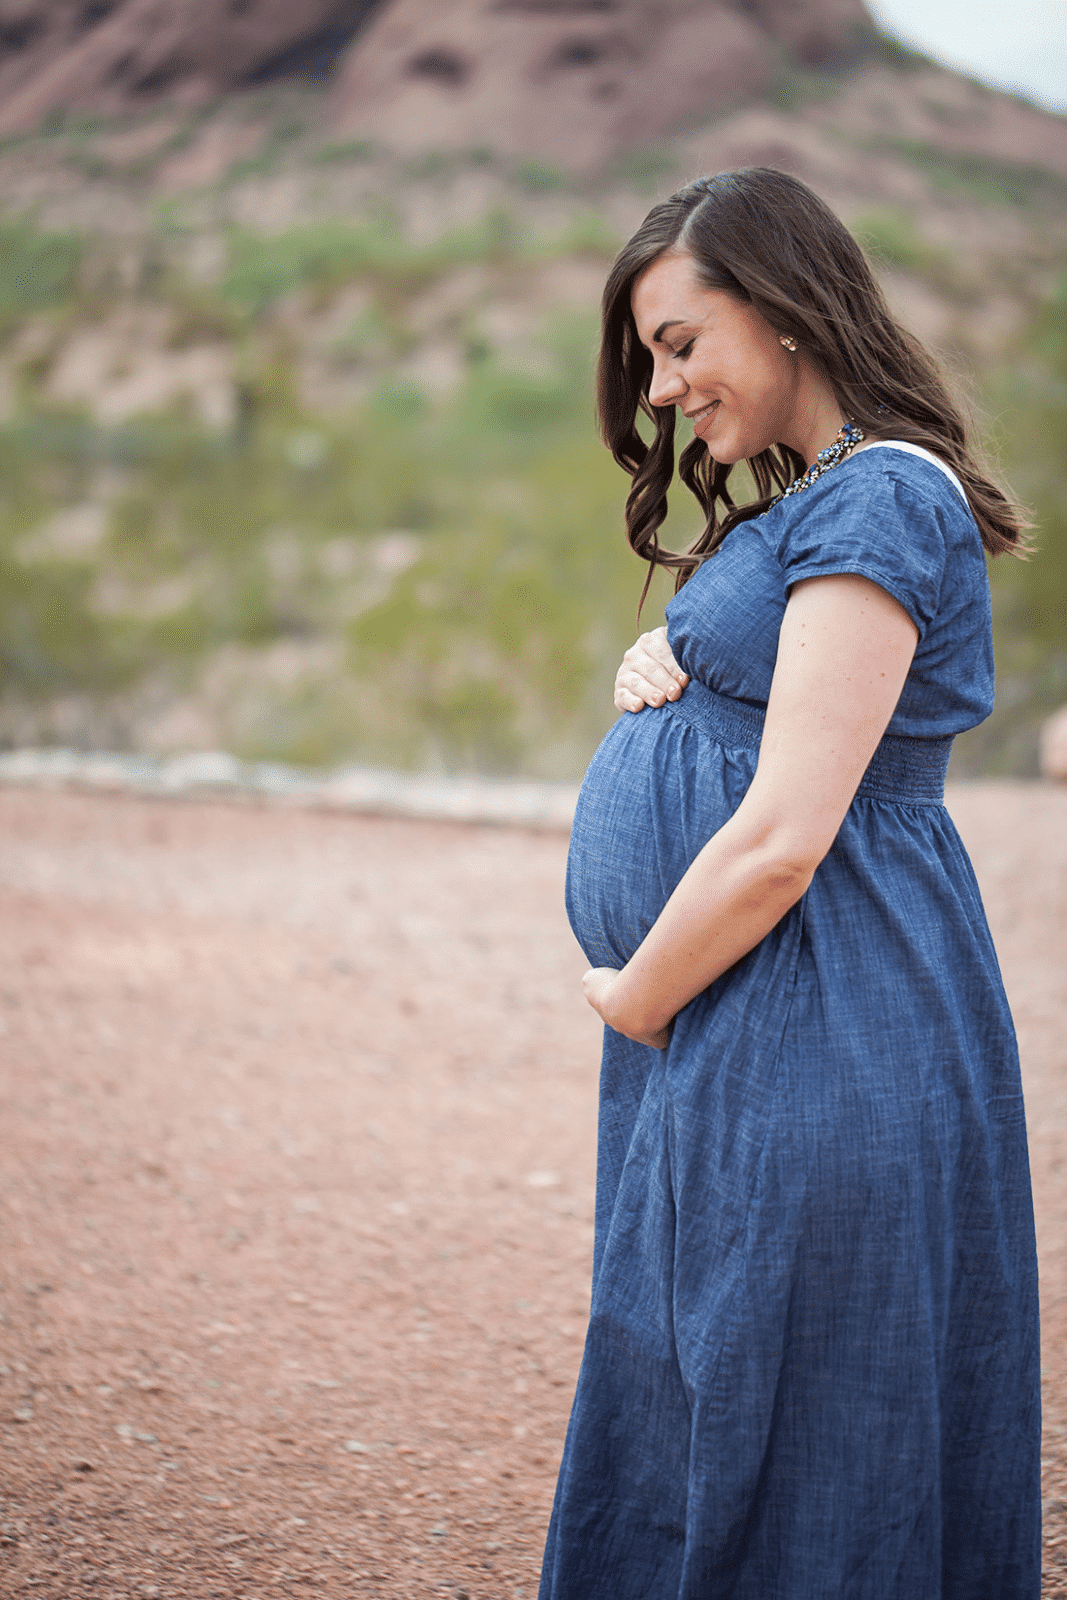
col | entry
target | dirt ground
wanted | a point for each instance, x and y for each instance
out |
(296, 1186)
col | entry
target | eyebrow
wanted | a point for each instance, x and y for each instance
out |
(678, 322)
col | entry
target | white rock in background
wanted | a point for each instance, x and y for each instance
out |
(1054, 746)
(124, 368)
(75, 532)
(430, 797)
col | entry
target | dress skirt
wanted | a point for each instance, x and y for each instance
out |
(812, 1368)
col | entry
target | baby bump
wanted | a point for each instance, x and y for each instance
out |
(655, 792)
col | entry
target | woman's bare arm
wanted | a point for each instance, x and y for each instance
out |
(843, 655)
(649, 674)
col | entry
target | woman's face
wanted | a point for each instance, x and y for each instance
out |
(721, 364)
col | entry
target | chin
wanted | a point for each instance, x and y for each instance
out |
(725, 455)
(728, 452)
(724, 446)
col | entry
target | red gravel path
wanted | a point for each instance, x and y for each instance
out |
(296, 1190)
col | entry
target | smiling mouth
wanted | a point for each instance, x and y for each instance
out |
(698, 416)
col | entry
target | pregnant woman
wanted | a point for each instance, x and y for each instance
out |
(812, 1370)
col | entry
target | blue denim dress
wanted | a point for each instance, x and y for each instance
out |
(812, 1368)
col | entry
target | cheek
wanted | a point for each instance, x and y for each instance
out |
(752, 374)
(768, 387)
(755, 399)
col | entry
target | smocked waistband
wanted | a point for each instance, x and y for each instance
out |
(904, 769)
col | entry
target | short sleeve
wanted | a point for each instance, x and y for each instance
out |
(882, 520)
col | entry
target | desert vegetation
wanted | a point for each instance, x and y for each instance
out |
(297, 453)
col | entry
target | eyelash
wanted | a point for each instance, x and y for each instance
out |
(685, 351)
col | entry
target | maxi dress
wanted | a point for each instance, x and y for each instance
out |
(811, 1370)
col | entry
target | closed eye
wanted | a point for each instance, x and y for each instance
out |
(685, 351)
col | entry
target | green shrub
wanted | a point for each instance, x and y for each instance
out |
(644, 169)
(980, 177)
(891, 237)
(262, 267)
(539, 177)
(37, 269)
(1029, 400)
(351, 150)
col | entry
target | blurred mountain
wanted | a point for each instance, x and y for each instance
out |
(111, 56)
(574, 80)
(569, 79)
(297, 321)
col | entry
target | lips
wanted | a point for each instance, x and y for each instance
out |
(703, 413)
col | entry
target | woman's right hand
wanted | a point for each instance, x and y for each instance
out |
(649, 674)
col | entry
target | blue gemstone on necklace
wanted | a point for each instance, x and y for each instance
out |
(847, 440)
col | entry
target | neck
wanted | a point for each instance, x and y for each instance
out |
(823, 442)
(817, 418)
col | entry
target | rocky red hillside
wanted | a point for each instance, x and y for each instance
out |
(574, 81)
(570, 79)
(115, 55)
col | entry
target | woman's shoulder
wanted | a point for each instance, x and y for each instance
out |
(887, 513)
(912, 463)
(881, 484)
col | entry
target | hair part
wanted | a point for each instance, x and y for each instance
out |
(765, 238)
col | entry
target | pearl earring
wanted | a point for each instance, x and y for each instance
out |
(789, 343)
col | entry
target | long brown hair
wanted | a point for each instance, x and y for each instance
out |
(767, 239)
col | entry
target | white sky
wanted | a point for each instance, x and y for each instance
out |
(1019, 47)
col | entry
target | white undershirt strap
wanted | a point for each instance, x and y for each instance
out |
(917, 450)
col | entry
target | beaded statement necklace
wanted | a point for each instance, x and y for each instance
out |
(842, 447)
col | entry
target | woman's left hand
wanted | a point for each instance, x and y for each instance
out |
(600, 985)
(649, 674)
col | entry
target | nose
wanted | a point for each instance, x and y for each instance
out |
(666, 387)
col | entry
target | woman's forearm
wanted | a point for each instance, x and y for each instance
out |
(734, 892)
(843, 654)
